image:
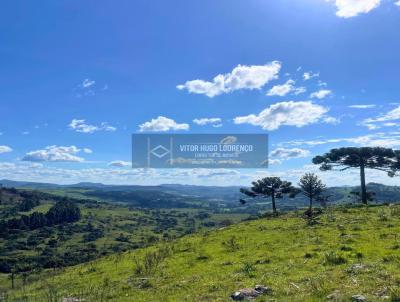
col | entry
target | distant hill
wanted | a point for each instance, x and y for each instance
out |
(178, 196)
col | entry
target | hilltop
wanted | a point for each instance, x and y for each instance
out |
(350, 251)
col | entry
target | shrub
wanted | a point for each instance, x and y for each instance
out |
(333, 258)
(382, 216)
(248, 269)
(231, 244)
(151, 260)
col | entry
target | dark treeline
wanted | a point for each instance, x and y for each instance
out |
(63, 211)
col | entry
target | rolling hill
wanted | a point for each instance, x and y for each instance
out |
(351, 253)
(181, 196)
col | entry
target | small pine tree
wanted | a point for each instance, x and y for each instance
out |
(312, 187)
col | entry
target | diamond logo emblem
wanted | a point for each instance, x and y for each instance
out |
(159, 151)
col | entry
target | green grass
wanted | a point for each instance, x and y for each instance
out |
(299, 263)
(96, 234)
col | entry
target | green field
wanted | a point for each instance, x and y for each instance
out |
(103, 229)
(349, 251)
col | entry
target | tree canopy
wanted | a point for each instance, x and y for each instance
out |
(272, 187)
(378, 158)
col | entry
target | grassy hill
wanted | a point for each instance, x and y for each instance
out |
(350, 251)
(103, 229)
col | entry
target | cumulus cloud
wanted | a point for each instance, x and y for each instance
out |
(241, 77)
(289, 113)
(162, 124)
(397, 3)
(286, 88)
(215, 121)
(54, 154)
(82, 127)
(119, 163)
(321, 94)
(5, 149)
(353, 8)
(362, 106)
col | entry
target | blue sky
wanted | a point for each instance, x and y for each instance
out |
(78, 78)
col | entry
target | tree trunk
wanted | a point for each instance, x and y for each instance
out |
(311, 203)
(273, 204)
(363, 186)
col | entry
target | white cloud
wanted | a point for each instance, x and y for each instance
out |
(331, 120)
(374, 123)
(309, 75)
(54, 154)
(82, 127)
(299, 90)
(241, 77)
(114, 175)
(87, 150)
(273, 161)
(106, 127)
(285, 154)
(353, 8)
(162, 124)
(321, 94)
(214, 121)
(322, 84)
(284, 89)
(86, 83)
(288, 113)
(389, 140)
(397, 3)
(120, 163)
(5, 149)
(87, 87)
(362, 106)
(281, 90)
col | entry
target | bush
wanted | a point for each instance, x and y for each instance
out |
(248, 269)
(333, 258)
(231, 244)
(152, 260)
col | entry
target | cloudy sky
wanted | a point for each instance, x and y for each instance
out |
(78, 78)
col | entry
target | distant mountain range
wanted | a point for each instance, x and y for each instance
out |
(176, 195)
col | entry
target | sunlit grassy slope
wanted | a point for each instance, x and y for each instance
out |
(299, 262)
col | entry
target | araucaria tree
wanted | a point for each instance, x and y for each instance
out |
(312, 187)
(272, 187)
(362, 158)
